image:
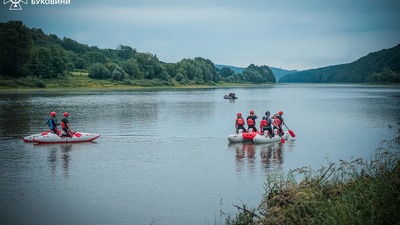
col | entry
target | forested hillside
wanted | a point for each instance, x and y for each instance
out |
(278, 72)
(31, 53)
(378, 67)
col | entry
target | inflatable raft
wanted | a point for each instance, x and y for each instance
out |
(33, 136)
(256, 137)
(241, 136)
(263, 138)
(230, 97)
(49, 138)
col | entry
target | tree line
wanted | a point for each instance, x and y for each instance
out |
(29, 52)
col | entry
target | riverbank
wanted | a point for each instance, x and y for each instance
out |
(81, 81)
(352, 192)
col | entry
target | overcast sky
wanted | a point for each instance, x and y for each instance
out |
(289, 34)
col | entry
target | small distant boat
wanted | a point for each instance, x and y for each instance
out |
(230, 97)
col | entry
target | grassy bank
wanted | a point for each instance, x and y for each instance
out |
(351, 192)
(81, 80)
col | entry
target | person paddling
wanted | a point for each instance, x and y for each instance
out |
(65, 126)
(52, 122)
(266, 124)
(239, 123)
(251, 121)
(278, 121)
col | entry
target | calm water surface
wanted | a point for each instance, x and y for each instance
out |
(163, 155)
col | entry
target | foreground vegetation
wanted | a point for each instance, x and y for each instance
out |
(355, 192)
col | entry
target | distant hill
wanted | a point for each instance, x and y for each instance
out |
(377, 67)
(278, 72)
(234, 68)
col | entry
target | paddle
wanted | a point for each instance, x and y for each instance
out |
(282, 140)
(290, 131)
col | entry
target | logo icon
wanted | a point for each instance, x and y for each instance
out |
(15, 4)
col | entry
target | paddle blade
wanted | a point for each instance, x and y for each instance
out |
(292, 133)
(282, 140)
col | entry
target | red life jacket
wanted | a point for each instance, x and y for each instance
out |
(277, 122)
(240, 121)
(264, 122)
(63, 126)
(250, 122)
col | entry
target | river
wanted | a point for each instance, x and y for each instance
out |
(163, 156)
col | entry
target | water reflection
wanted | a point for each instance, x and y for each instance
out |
(245, 155)
(13, 107)
(59, 153)
(271, 155)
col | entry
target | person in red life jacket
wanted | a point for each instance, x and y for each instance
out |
(239, 123)
(52, 122)
(65, 126)
(266, 124)
(251, 121)
(278, 116)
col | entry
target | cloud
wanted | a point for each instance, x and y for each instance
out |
(289, 34)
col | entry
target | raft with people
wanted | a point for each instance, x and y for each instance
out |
(65, 135)
(231, 96)
(49, 137)
(270, 129)
(257, 137)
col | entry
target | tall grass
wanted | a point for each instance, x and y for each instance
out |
(348, 192)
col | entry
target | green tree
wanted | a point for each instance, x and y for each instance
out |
(119, 74)
(131, 67)
(150, 66)
(98, 71)
(94, 57)
(79, 63)
(226, 72)
(258, 74)
(198, 70)
(125, 52)
(72, 45)
(15, 49)
(41, 64)
(58, 63)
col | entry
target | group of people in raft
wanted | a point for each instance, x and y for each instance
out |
(65, 129)
(268, 123)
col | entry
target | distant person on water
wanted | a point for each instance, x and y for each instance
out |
(52, 122)
(266, 124)
(65, 126)
(278, 121)
(239, 123)
(251, 121)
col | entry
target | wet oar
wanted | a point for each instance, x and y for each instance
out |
(290, 131)
(282, 140)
